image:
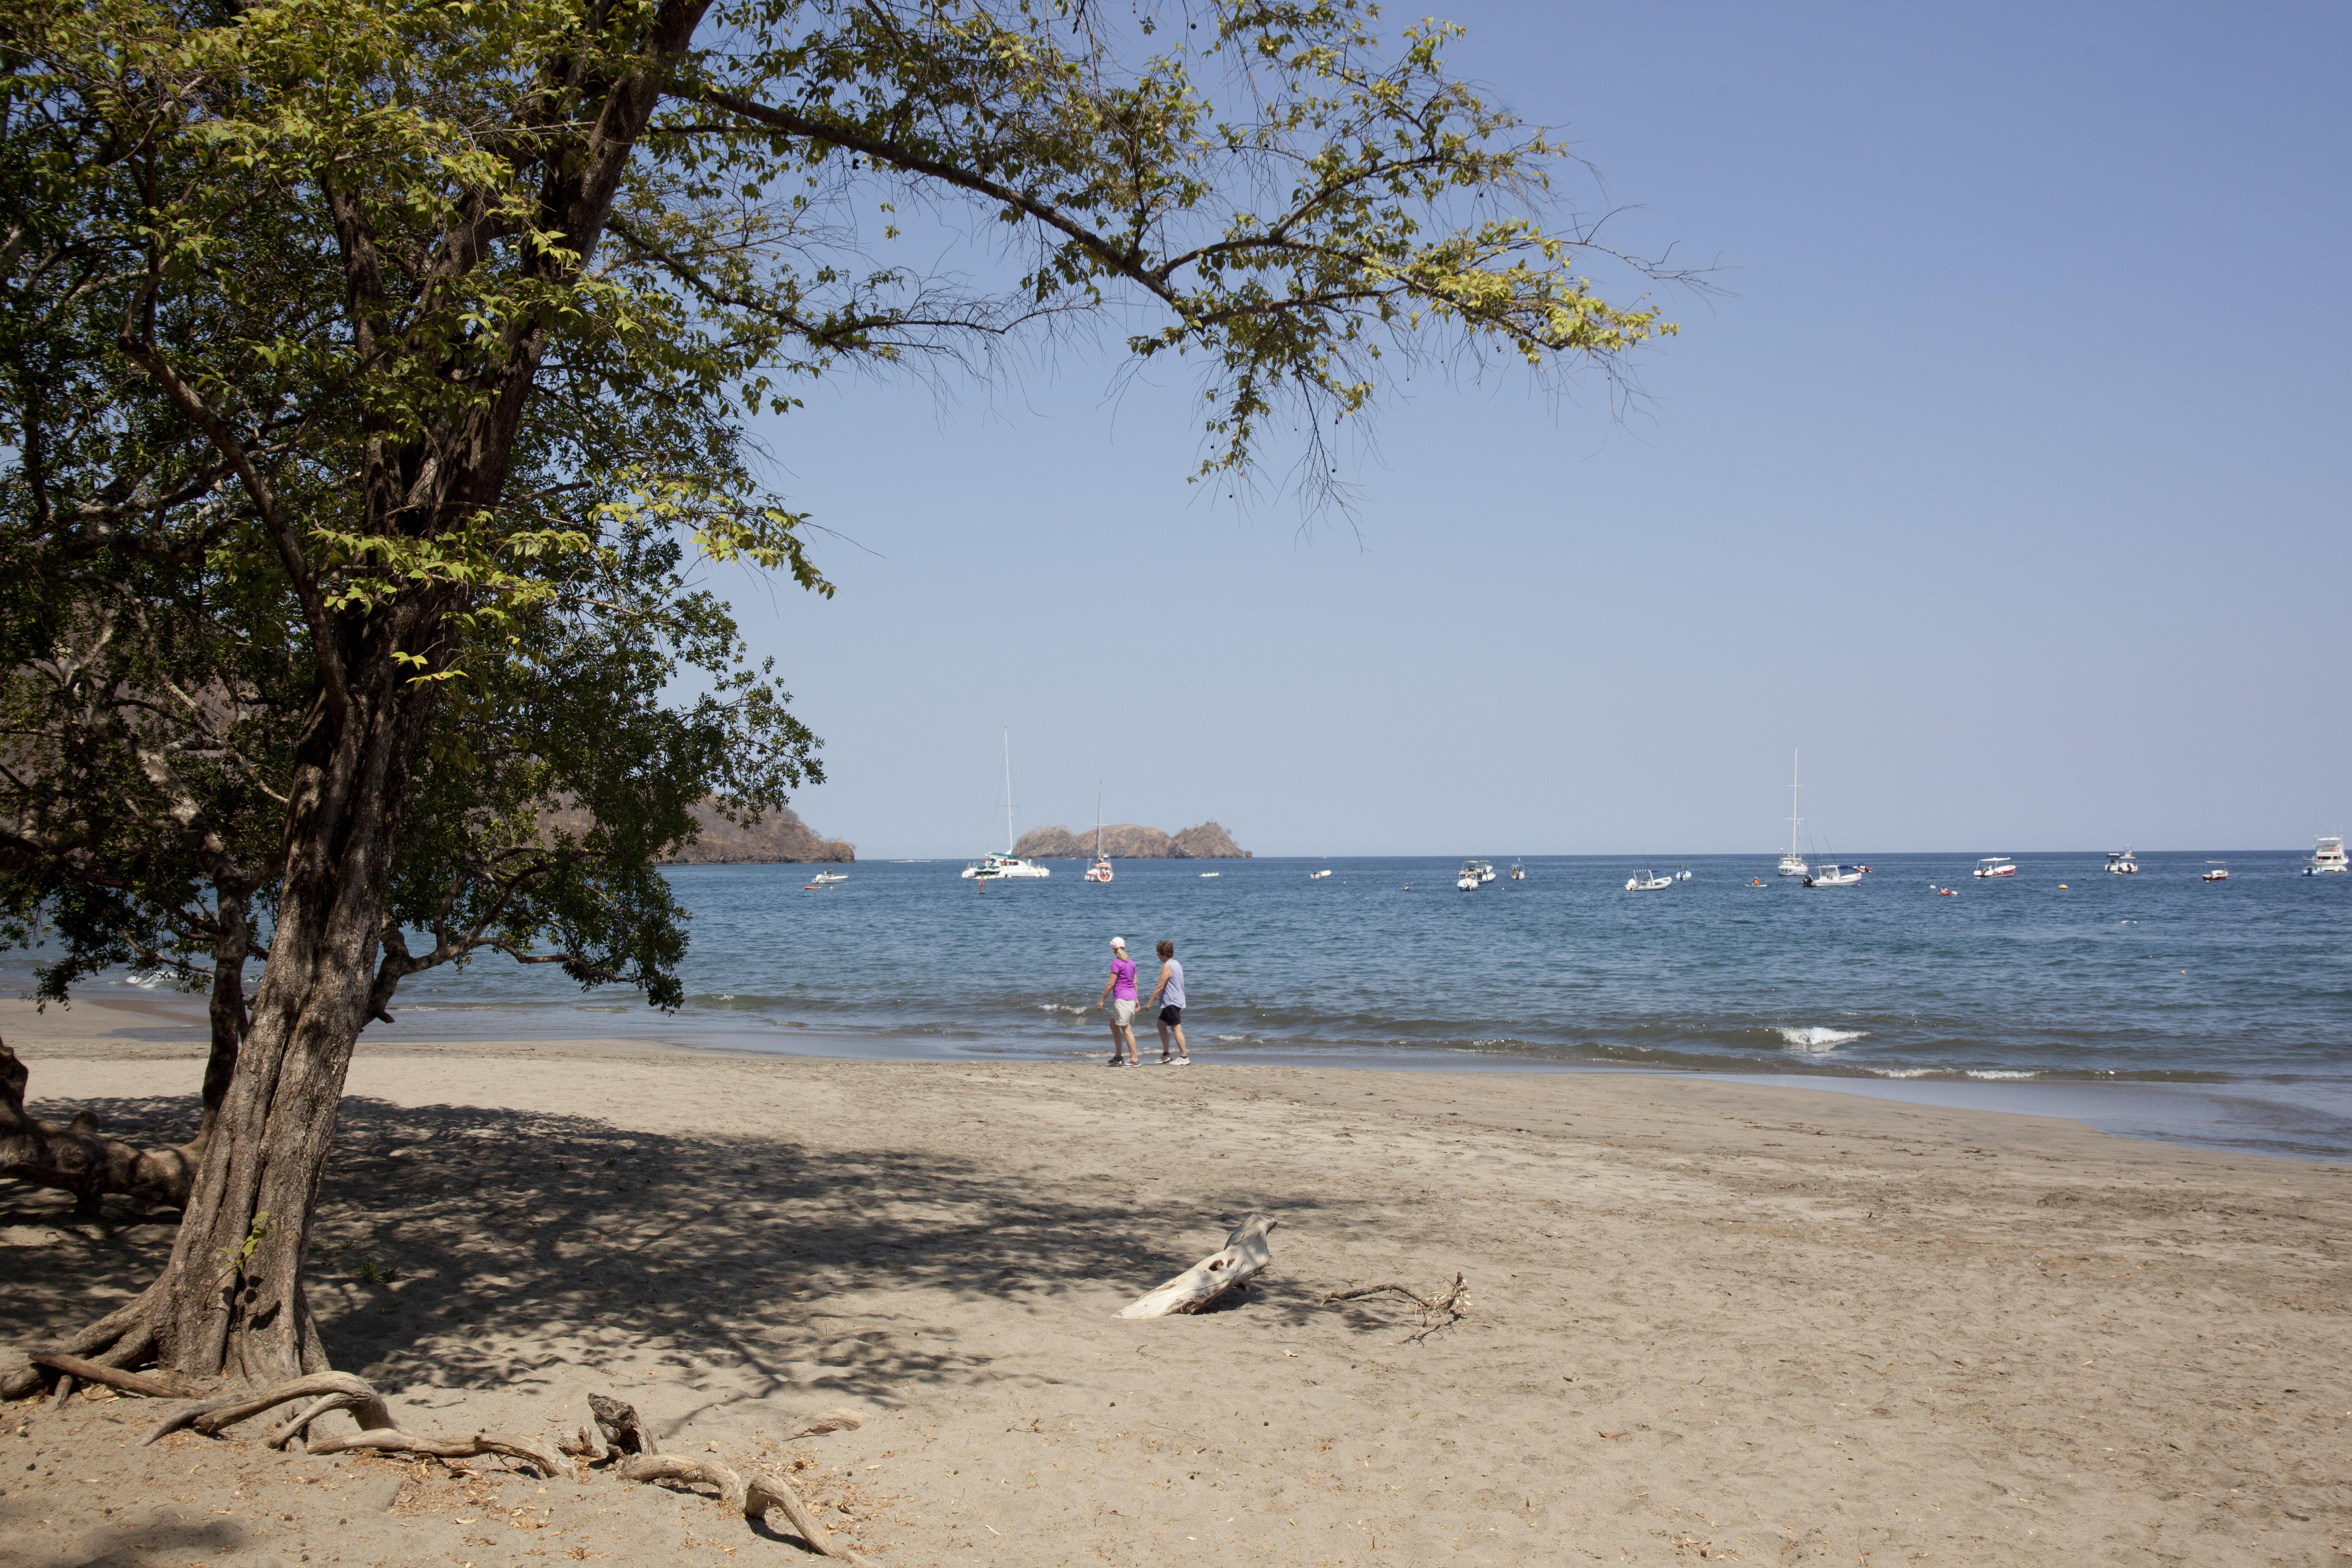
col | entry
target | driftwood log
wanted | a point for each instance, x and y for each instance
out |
(75, 1157)
(1244, 1255)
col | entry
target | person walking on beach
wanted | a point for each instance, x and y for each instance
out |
(1119, 992)
(1169, 997)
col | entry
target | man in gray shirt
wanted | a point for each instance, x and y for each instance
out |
(1169, 997)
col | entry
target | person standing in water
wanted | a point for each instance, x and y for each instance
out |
(1119, 992)
(1169, 997)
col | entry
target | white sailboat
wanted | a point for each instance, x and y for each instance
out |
(996, 868)
(1100, 871)
(1792, 863)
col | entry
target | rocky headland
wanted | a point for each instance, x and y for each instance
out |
(1128, 841)
(779, 835)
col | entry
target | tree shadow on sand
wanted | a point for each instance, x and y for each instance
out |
(469, 1249)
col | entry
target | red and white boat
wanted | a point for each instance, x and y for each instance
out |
(2217, 872)
(1996, 866)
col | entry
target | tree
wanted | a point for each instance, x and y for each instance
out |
(426, 315)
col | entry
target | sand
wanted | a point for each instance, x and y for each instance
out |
(1708, 1320)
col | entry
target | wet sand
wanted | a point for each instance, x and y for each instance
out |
(1709, 1320)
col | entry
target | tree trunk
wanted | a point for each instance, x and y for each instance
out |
(230, 1302)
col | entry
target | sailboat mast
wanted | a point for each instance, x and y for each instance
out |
(1008, 792)
(1097, 820)
(1796, 819)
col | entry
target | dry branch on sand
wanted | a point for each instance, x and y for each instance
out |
(1199, 1287)
(1436, 1311)
(76, 1158)
(638, 1460)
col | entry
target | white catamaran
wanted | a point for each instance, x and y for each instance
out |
(993, 868)
(1792, 863)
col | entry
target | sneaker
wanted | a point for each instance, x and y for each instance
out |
(1165, 1060)
(1183, 1061)
(1116, 1062)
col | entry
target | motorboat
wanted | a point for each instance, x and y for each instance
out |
(1647, 882)
(1684, 875)
(1478, 873)
(1466, 880)
(1100, 871)
(1833, 876)
(1317, 876)
(2216, 871)
(827, 878)
(2327, 857)
(1518, 872)
(1212, 873)
(1996, 866)
(1001, 867)
(1792, 863)
(2121, 863)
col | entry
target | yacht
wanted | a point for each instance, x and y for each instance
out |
(2121, 863)
(1647, 882)
(1477, 873)
(2327, 857)
(998, 867)
(1828, 876)
(1100, 871)
(1996, 866)
(2216, 871)
(1792, 863)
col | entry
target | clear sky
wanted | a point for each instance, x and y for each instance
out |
(2008, 477)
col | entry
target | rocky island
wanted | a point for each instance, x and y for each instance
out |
(1130, 842)
(780, 835)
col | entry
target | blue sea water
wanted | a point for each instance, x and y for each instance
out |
(2236, 994)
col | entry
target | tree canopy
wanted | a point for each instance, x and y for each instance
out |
(378, 383)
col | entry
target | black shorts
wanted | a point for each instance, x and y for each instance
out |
(1171, 1015)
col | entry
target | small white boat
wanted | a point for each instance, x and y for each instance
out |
(1473, 873)
(1212, 873)
(1832, 876)
(827, 878)
(1100, 871)
(1647, 882)
(1996, 866)
(1317, 875)
(2121, 863)
(2327, 857)
(1467, 880)
(1792, 863)
(1518, 872)
(1684, 875)
(2216, 871)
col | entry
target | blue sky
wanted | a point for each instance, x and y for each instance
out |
(2007, 476)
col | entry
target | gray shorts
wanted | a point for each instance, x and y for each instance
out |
(1122, 1013)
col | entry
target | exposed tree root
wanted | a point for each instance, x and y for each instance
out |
(392, 1440)
(209, 1416)
(76, 1159)
(118, 1339)
(153, 1384)
(624, 1433)
(1436, 1312)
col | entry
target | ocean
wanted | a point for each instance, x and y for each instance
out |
(2154, 1003)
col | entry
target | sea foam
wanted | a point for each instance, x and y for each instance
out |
(1819, 1037)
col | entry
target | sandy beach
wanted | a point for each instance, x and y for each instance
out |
(1708, 1320)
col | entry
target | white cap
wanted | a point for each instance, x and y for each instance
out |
(1118, 941)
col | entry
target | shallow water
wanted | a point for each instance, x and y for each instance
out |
(2061, 973)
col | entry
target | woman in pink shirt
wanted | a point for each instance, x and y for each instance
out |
(1119, 992)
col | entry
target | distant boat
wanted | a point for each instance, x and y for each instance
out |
(1996, 866)
(1212, 873)
(1100, 871)
(1466, 880)
(1831, 876)
(2327, 857)
(1477, 873)
(2121, 863)
(1317, 875)
(826, 878)
(1647, 882)
(1684, 875)
(1518, 872)
(2216, 871)
(1792, 863)
(997, 867)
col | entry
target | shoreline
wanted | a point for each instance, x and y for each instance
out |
(1707, 1317)
(2301, 1122)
